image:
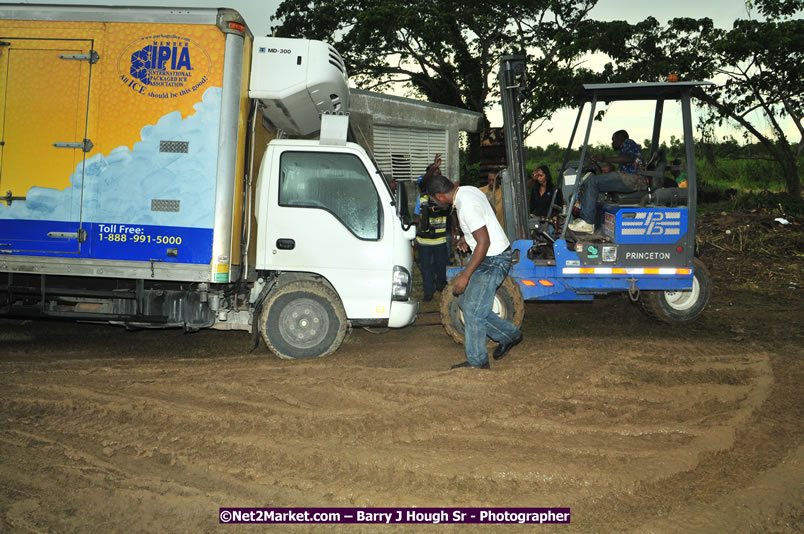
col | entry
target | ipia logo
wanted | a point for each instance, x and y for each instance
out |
(150, 65)
(164, 66)
(664, 222)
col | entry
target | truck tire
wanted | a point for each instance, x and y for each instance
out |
(508, 304)
(303, 319)
(679, 306)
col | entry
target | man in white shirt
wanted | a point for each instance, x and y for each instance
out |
(478, 282)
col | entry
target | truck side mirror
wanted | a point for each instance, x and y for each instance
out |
(400, 199)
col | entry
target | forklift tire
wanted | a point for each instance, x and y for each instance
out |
(679, 306)
(508, 304)
(303, 319)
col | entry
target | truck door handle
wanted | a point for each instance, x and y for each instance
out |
(285, 244)
(85, 145)
(80, 235)
(9, 198)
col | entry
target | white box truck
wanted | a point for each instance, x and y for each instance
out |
(144, 182)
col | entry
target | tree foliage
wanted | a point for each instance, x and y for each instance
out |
(758, 66)
(449, 51)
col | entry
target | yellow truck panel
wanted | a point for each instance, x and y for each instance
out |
(111, 141)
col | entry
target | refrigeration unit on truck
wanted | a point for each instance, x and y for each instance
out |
(137, 187)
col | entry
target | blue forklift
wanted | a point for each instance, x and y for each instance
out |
(644, 243)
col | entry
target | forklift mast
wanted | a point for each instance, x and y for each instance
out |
(514, 182)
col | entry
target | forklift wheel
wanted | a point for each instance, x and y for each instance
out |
(508, 304)
(679, 306)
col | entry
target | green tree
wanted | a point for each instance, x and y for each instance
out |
(763, 62)
(758, 66)
(449, 51)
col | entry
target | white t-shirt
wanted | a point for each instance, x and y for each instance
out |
(474, 212)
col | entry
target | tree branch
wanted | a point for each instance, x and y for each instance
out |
(796, 119)
(767, 143)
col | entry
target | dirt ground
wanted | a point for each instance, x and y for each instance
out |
(634, 425)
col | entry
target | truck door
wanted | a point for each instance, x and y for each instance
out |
(327, 217)
(44, 91)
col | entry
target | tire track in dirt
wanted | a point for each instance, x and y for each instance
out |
(168, 431)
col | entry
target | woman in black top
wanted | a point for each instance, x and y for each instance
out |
(542, 193)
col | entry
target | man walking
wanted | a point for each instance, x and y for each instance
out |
(477, 284)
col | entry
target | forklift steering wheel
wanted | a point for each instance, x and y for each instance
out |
(589, 163)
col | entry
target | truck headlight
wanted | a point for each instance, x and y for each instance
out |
(401, 284)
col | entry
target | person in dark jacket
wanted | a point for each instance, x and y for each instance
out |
(432, 235)
(541, 195)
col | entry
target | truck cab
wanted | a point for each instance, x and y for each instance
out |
(330, 243)
(326, 214)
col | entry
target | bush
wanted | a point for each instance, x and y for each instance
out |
(742, 175)
(778, 203)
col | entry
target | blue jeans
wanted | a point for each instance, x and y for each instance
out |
(476, 304)
(433, 264)
(596, 184)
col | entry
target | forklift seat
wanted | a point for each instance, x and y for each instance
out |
(671, 196)
(651, 179)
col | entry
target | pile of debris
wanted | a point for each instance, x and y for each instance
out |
(757, 249)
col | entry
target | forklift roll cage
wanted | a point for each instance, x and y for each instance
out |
(648, 91)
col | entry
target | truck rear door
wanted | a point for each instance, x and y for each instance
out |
(44, 90)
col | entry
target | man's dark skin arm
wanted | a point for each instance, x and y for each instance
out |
(481, 235)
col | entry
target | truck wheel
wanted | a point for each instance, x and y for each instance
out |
(679, 306)
(508, 304)
(303, 319)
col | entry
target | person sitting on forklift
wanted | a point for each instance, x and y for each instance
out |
(679, 177)
(624, 180)
(541, 195)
